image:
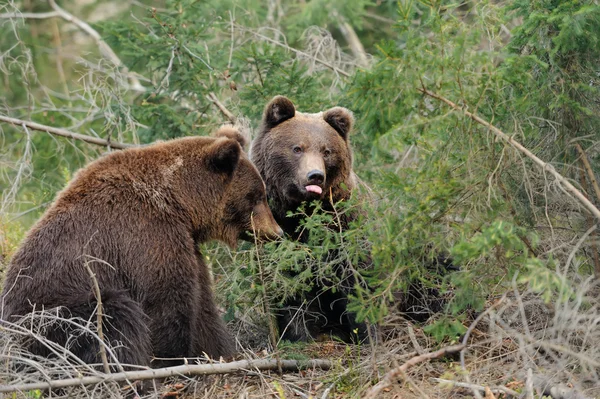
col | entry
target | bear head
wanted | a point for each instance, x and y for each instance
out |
(217, 187)
(303, 157)
(244, 207)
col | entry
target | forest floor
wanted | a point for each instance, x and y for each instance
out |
(514, 361)
(520, 346)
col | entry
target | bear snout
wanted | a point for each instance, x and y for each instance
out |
(316, 177)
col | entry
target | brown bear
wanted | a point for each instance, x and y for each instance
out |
(302, 158)
(135, 218)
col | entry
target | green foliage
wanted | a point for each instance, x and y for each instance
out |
(441, 184)
(553, 67)
(445, 328)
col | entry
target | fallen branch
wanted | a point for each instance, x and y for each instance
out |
(544, 165)
(494, 389)
(395, 373)
(65, 133)
(185, 370)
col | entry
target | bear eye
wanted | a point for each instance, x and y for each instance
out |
(327, 153)
(297, 149)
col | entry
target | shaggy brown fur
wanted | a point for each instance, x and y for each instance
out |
(136, 218)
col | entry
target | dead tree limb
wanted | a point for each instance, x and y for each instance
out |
(185, 370)
(212, 97)
(590, 221)
(397, 372)
(588, 168)
(352, 39)
(503, 136)
(65, 133)
(29, 15)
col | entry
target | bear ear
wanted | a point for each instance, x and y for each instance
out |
(278, 110)
(340, 119)
(224, 155)
(233, 133)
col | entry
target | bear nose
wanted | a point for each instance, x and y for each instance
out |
(315, 176)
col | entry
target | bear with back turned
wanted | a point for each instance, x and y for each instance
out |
(135, 218)
(304, 158)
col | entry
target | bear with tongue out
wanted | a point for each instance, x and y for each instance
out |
(305, 157)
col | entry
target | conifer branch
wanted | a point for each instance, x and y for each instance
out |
(518, 146)
(65, 133)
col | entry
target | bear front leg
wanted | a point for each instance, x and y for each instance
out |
(173, 315)
(210, 333)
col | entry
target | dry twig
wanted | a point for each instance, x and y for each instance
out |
(466, 339)
(99, 315)
(393, 374)
(494, 389)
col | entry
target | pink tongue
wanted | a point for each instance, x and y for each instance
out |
(314, 189)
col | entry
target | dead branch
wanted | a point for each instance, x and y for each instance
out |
(529, 385)
(105, 49)
(503, 136)
(590, 220)
(65, 133)
(397, 372)
(30, 15)
(353, 41)
(494, 389)
(212, 97)
(185, 370)
(588, 168)
(466, 340)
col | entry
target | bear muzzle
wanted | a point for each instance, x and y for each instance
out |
(315, 179)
